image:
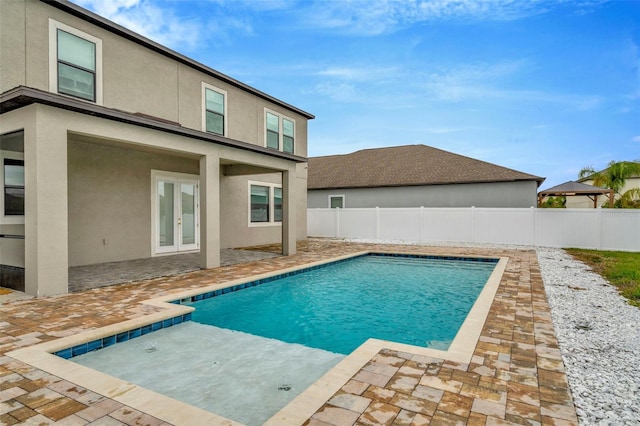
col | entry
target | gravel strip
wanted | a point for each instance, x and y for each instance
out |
(599, 336)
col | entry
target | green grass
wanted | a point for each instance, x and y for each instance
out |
(622, 269)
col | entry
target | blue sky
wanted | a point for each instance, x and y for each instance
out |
(543, 87)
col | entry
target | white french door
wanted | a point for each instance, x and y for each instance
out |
(175, 213)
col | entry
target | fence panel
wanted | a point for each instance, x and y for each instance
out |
(620, 230)
(399, 223)
(447, 224)
(567, 228)
(321, 222)
(357, 223)
(607, 229)
(506, 226)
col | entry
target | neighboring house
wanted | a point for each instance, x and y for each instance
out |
(578, 202)
(415, 176)
(115, 148)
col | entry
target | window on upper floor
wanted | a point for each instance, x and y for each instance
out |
(279, 132)
(214, 110)
(12, 183)
(75, 63)
(265, 203)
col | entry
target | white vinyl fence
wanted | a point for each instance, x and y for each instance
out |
(603, 229)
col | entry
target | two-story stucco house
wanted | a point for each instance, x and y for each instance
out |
(114, 147)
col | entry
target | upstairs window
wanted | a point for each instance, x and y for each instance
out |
(279, 132)
(76, 66)
(287, 135)
(273, 131)
(13, 185)
(215, 106)
(75, 63)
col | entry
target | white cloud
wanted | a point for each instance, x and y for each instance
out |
(443, 130)
(337, 91)
(636, 139)
(381, 16)
(165, 24)
(488, 81)
(359, 74)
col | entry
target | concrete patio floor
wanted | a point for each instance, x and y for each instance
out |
(516, 374)
(105, 274)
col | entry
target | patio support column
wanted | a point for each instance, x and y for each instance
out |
(46, 204)
(288, 212)
(209, 211)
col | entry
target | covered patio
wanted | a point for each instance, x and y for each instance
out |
(106, 274)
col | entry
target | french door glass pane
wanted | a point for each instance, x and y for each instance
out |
(166, 213)
(188, 206)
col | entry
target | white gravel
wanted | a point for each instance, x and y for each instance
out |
(599, 336)
(598, 333)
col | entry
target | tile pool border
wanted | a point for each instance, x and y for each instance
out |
(43, 356)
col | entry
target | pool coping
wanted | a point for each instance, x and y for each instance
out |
(300, 408)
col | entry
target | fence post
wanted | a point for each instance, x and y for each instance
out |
(533, 226)
(599, 225)
(421, 238)
(473, 224)
(377, 223)
(337, 223)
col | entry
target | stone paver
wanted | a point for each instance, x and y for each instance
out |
(516, 375)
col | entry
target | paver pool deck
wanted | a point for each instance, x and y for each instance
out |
(515, 376)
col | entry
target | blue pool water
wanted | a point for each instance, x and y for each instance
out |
(336, 308)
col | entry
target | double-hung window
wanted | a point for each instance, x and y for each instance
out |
(12, 181)
(279, 132)
(214, 111)
(75, 63)
(265, 203)
(273, 131)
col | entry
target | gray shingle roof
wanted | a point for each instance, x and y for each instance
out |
(408, 165)
(572, 186)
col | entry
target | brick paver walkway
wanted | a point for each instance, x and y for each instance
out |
(516, 375)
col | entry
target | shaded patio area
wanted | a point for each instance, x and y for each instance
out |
(516, 374)
(106, 274)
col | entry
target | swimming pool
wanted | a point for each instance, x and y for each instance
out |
(173, 312)
(416, 300)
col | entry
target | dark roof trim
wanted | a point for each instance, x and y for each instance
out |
(110, 26)
(23, 96)
(425, 184)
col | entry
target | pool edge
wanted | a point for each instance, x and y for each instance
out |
(461, 350)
